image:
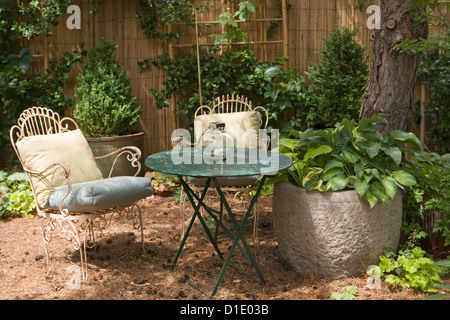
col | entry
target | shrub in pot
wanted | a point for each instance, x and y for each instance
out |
(105, 111)
(344, 202)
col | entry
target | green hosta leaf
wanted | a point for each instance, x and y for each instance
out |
(361, 186)
(288, 143)
(350, 156)
(372, 148)
(343, 134)
(333, 164)
(338, 182)
(331, 173)
(312, 153)
(359, 170)
(390, 187)
(408, 137)
(370, 198)
(311, 184)
(394, 153)
(377, 189)
(404, 178)
(370, 124)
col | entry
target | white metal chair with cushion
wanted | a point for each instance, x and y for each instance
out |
(70, 192)
(242, 123)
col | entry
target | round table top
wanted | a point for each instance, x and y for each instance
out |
(197, 162)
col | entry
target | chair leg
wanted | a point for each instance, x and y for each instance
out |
(49, 225)
(139, 223)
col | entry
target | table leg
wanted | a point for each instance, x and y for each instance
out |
(246, 250)
(239, 236)
(196, 214)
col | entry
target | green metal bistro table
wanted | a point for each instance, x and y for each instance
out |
(197, 162)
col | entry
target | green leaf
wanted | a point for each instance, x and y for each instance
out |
(350, 155)
(404, 178)
(312, 153)
(338, 182)
(371, 199)
(288, 143)
(377, 189)
(331, 173)
(311, 184)
(408, 137)
(370, 124)
(372, 148)
(394, 153)
(361, 186)
(390, 187)
(333, 164)
(271, 72)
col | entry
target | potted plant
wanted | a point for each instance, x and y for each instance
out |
(105, 111)
(344, 202)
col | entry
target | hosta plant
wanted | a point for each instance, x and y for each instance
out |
(351, 156)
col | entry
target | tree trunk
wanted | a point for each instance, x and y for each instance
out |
(393, 76)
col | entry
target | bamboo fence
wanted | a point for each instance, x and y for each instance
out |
(302, 26)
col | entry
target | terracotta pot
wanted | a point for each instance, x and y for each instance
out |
(333, 234)
(104, 145)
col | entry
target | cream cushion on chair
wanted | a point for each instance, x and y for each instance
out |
(243, 126)
(41, 151)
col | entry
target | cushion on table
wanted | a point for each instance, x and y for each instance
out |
(101, 194)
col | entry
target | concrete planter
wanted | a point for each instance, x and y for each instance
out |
(333, 234)
(103, 145)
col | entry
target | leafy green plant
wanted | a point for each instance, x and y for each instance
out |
(16, 197)
(411, 269)
(20, 89)
(153, 15)
(237, 71)
(338, 81)
(434, 69)
(352, 156)
(105, 106)
(231, 23)
(430, 196)
(348, 293)
(446, 265)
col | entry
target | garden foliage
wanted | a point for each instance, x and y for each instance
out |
(430, 196)
(19, 89)
(411, 269)
(338, 81)
(16, 197)
(352, 156)
(235, 71)
(105, 106)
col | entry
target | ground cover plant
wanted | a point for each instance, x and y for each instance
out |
(16, 197)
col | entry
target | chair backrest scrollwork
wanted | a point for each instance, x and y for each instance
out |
(40, 121)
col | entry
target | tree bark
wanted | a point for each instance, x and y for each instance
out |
(390, 90)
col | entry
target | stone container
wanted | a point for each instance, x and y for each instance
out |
(333, 234)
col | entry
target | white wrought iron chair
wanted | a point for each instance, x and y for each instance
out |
(70, 193)
(232, 110)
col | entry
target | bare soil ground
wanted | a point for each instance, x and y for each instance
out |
(119, 270)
